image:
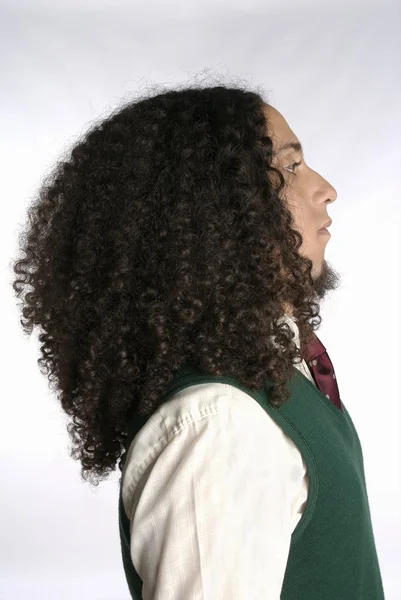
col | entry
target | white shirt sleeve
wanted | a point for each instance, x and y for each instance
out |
(213, 488)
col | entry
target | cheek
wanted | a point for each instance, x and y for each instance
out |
(302, 214)
(299, 217)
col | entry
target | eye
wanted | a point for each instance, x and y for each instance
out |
(293, 166)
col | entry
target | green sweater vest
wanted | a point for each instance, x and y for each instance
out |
(332, 553)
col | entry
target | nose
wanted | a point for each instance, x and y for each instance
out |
(328, 191)
(333, 193)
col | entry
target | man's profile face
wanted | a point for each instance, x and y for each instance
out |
(308, 196)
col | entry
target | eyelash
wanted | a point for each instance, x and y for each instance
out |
(296, 164)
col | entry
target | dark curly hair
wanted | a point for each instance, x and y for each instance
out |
(162, 238)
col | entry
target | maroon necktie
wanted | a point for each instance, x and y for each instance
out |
(322, 370)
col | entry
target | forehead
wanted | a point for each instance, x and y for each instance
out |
(278, 128)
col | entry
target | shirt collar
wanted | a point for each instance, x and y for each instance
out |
(291, 321)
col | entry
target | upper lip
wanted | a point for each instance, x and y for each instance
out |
(326, 225)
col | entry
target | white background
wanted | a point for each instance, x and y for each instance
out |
(333, 71)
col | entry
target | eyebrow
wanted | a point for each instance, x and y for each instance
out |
(297, 146)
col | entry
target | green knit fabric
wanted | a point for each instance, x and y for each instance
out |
(332, 553)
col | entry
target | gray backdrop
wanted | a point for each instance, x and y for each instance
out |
(333, 70)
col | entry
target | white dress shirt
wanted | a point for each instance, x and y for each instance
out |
(214, 489)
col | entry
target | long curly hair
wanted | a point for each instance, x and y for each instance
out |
(162, 237)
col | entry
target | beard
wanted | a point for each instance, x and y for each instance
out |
(324, 282)
(327, 280)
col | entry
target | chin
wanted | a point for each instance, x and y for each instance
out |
(317, 269)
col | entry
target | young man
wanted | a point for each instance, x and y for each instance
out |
(176, 265)
(217, 487)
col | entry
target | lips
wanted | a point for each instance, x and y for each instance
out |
(327, 224)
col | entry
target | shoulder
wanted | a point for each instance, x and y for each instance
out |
(210, 421)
